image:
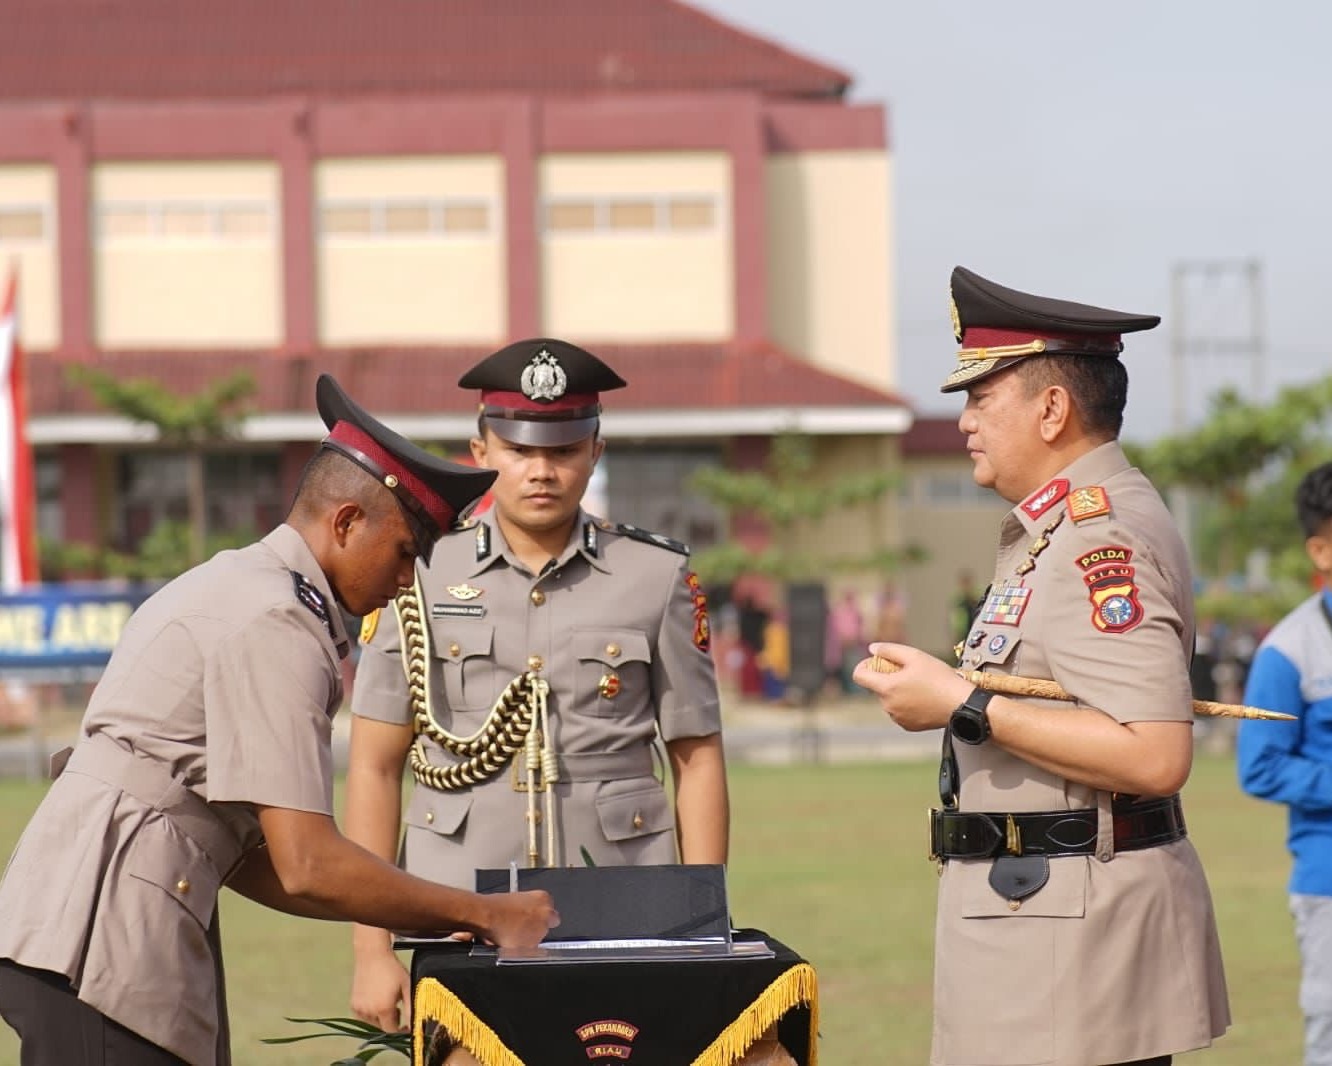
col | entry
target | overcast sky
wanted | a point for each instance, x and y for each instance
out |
(1097, 152)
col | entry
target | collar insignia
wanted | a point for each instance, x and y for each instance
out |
(482, 541)
(591, 541)
(463, 591)
(1045, 497)
(543, 378)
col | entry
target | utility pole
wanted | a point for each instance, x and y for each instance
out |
(1216, 309)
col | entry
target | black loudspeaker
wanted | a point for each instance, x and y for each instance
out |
(807, 614)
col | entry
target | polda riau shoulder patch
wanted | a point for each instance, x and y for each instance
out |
(312, 599)
(702, 628)
(648, 537)
(1108, 573)
(1090, 501)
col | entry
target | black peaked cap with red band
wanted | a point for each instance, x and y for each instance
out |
(541, 392)
(996, 326)
(432, 492)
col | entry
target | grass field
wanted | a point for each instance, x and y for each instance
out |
(829, 859)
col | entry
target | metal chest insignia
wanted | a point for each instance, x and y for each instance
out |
(463, 591)
(609, 685)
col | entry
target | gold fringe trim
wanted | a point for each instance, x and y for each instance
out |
(435, 1002)
(797, 987)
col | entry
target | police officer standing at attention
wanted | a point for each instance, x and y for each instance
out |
(1075, 925)
(525, 676)
(205, 759)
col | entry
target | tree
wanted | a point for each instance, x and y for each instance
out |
(794, 504)
(186, 423)
(1243, 462)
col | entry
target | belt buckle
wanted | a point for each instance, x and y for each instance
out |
(933, 817)
(1012, 836)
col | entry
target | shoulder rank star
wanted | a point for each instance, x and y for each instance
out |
(464, 591)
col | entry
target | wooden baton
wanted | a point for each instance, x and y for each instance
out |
(1010, 685)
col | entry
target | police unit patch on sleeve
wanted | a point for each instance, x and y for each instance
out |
(311, 598)
(702, 630)
(1108, 573)
(1090, 501)
(369, 625)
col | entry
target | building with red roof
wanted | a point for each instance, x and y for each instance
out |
(390, 191)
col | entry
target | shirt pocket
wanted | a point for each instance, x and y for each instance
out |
(464, 652)
(631, 809)
(438, 812)
(614, 671)
(171, 864)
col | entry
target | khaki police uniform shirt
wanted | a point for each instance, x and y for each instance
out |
(1116, 958)
(219, 695)
(616, 629)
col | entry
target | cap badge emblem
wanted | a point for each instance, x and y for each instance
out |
(957, 319)
(463, 592)
(543, 378)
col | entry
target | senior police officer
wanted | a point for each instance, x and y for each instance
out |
(526, 675)
(205, 759)
(1075, 925)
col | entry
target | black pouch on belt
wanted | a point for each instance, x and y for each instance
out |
(1019, 876)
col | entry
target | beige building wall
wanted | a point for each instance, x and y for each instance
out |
(957, 524)
(187, 255)
(830, 278)
(637, 246)
(411, 250)
(860, 531)
(28, 244)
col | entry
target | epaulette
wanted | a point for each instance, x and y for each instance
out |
(1091, 501)
(647, 537)
(312, 599)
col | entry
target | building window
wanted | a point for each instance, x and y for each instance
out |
(22, 222)
(50, 506)
(951, 489)
(628, 214)
(650, 489)
(242, 491)
(185, 220)
(397, 219)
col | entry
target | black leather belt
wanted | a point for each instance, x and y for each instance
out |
(978, 835)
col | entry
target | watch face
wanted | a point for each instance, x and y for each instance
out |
(969, 725)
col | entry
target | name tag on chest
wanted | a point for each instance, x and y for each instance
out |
(457, 610)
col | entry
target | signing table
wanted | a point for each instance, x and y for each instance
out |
(659, 1012)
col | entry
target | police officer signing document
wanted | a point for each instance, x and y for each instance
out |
(205, 759)
(524, 677)
(1075, 926)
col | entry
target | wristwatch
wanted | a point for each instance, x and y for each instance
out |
(969, 723)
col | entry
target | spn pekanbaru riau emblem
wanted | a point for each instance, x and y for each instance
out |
(544, 378)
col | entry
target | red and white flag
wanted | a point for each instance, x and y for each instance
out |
(18, 527)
